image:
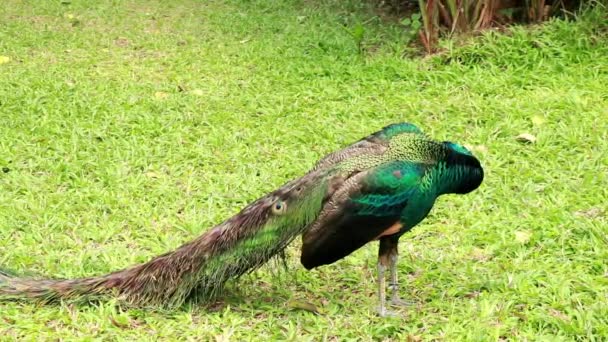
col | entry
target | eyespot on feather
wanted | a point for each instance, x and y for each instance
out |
(279, 207)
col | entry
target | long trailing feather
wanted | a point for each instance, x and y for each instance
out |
(232, 248)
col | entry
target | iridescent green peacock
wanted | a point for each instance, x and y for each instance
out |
(375, 189)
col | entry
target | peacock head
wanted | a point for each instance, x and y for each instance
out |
(466, 170)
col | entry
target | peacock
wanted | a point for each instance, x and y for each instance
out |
(378, 188)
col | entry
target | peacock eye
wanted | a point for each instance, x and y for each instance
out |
(279, 207)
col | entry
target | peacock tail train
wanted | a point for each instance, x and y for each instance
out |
(239, 245)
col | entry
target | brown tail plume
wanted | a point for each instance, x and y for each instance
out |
(239, 245)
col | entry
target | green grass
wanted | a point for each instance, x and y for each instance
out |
(130, 127)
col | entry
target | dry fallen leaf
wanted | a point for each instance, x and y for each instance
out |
(481, 148)
(589, 213)
(526, 138)
(522, 236)
(479, 254)
(538, 120)
(152, 174)
(197, 92)
(122, 42)
(161, 95)
(297, 304)
(4, 59)
(476, 148)
(559, 314)
(120, 323)
(72, 19)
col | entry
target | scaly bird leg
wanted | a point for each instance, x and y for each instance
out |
(381, 290)
(387, 258)
(394, 283)
(385, 252)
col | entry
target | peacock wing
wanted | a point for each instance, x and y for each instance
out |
(362, 209)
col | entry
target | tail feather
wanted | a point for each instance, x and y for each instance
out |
(229, 250)
(12, 287)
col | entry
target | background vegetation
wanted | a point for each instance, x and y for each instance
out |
(464, 16)
(129, 127)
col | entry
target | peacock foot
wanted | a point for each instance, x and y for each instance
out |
(401, 302)
(383, 312)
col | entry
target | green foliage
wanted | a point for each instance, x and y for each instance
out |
(358, 34)
(450, 16)
(413, 23)
(150, 121)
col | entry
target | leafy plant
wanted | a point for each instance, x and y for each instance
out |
(450, 16)
(413, 23)
(358, 34)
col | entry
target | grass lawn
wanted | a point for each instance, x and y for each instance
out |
(130, 127)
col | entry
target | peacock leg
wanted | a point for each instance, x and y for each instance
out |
(394, 283)
(388, 259)
(384, 262)
(381, 290)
